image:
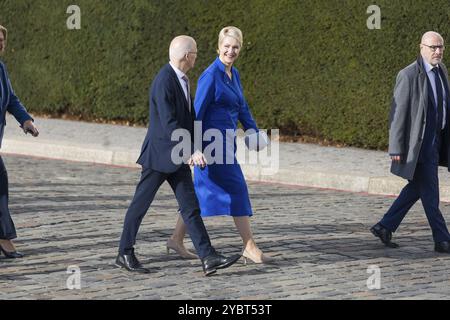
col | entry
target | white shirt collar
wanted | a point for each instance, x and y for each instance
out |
(180, 74)
(428, 66)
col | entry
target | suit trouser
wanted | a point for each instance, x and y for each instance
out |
(7, 229)
(183, 187)
(423, 186)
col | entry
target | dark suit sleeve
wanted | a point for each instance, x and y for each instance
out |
(399, 112)
(15, 107)
(166, 108)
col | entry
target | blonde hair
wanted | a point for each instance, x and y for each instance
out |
(233, 32)
(4, 31)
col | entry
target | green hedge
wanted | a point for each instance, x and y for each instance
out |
(308, 67)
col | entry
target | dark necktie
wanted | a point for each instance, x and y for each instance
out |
(440, 98)
(188, 98)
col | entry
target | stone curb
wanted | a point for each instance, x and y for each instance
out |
(386, 185)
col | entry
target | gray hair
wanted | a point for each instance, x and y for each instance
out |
(431, 34)
(180, 46)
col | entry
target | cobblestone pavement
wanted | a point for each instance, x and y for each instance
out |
(69, 213)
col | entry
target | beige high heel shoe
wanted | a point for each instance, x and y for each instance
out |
(262, 259)
(181, 250)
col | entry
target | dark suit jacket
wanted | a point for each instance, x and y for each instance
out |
(9, 102)
(169, 111)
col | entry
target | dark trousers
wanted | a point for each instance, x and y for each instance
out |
(183, 187)
(7, 229)
(424, 186)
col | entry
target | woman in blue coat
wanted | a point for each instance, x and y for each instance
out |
(9, 102)
(219, 103)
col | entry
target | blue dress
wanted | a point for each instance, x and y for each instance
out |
(220, 104)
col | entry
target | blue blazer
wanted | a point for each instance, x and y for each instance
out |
(168, 112)
(9, 102)
(220, 102)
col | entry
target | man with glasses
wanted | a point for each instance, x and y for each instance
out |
(419, 140)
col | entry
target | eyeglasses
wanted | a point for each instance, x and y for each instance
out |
(193, 52)
(434, 48)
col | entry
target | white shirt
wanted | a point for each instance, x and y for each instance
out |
(431, 76)
(180, 75)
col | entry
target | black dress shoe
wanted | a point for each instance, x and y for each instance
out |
(131, 263)
(11, 255)
(216, 261)
(384, 234)
(443, 247)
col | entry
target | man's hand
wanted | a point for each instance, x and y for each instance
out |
(396, 158)
(197, 159)
(28, 127)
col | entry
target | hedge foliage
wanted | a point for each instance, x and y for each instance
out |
(308, 67)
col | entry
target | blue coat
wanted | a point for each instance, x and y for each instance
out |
(9, 102)
(220, 104)
(169, 111)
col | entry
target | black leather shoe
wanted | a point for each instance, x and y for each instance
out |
(384, 234)
(443, 247)
(11, 255)
(217, 261)
(131, 263)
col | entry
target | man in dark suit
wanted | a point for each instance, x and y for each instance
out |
(419, 140)
(9, 102)
(171, 111)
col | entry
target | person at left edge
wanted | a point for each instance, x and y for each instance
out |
(171, 109)
(9, 102)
